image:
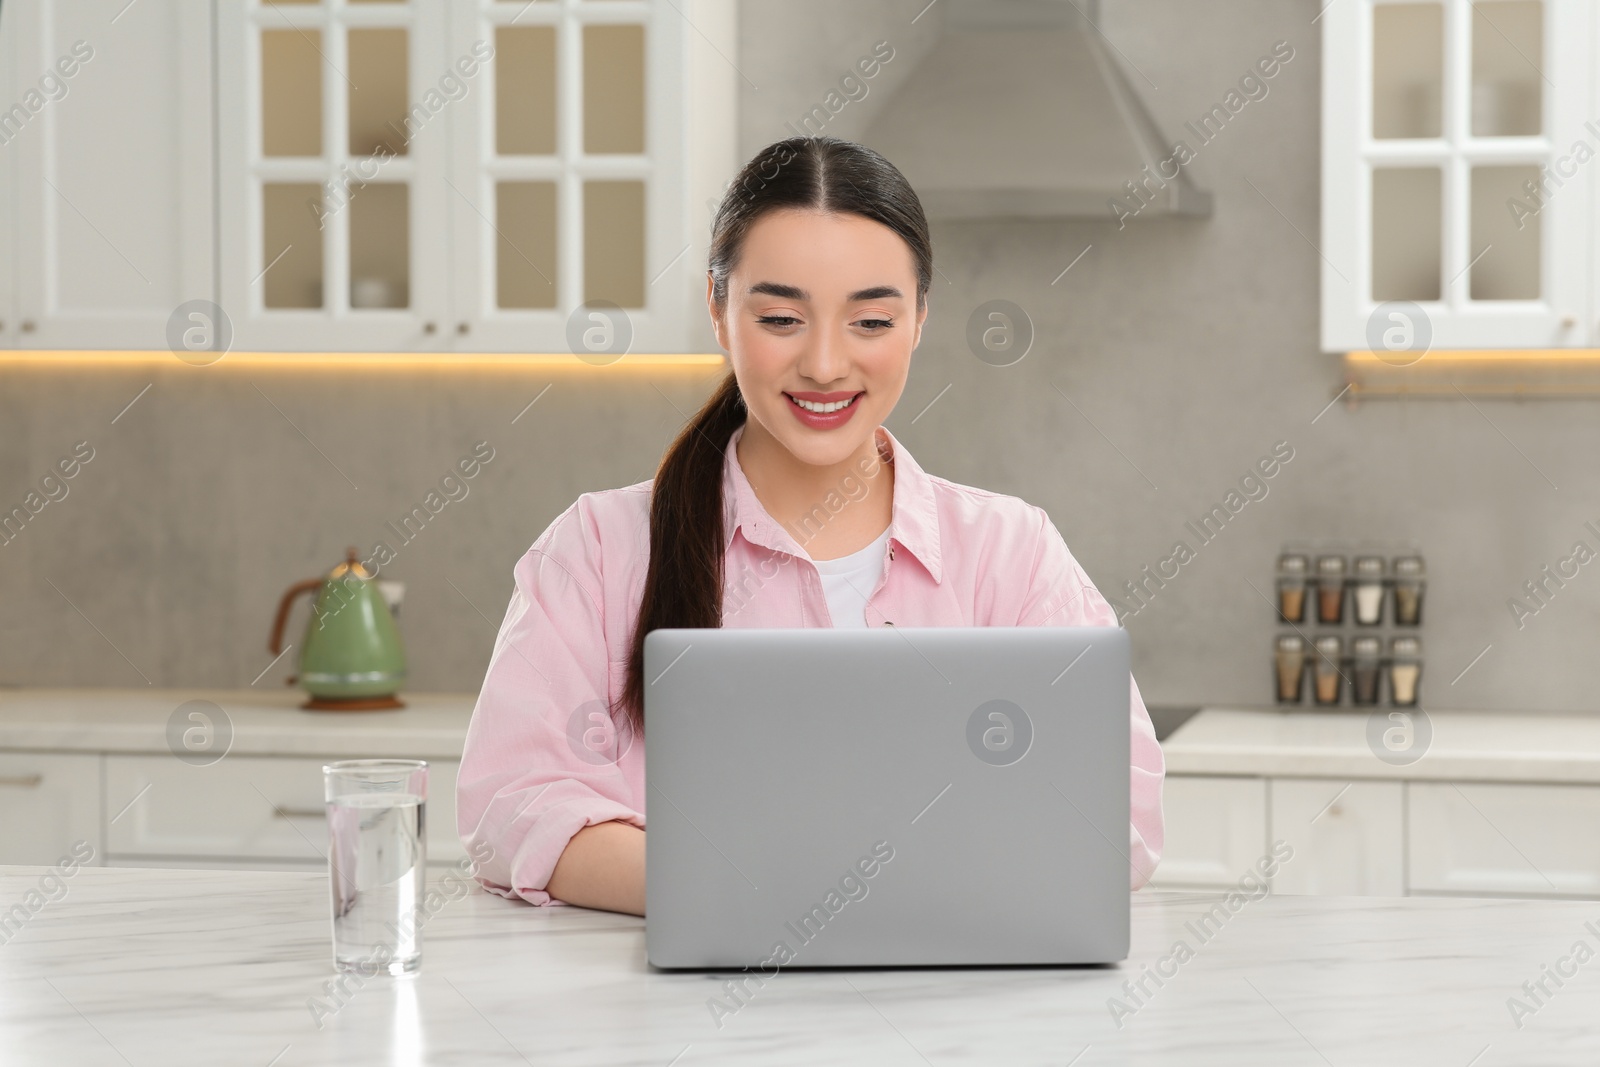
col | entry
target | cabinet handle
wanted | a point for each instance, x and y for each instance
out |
(22, 781)
(298, 813)
(27, 325)
(462, 327)
(430, 327)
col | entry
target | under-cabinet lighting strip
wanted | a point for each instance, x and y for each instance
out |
(1511, 373)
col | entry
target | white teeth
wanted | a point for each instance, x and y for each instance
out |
(823, 409)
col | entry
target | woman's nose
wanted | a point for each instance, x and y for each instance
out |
(825, 359)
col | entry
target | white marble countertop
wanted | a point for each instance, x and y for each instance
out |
(264, 722)
(1464, 745)
(222, 967)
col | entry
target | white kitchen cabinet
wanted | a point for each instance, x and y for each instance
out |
(48, 803)
(477, 176)
(242, 810)
(1348, 837)
(1504, 838)
(1440, 119)
(1215, 831)
(108, 222)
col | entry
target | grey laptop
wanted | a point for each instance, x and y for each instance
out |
(886, 796)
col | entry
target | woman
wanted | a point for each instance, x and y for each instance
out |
(784, 502)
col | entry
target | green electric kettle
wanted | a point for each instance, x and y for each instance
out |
(351, 658)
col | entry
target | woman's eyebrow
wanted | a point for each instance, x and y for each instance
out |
(794, 292)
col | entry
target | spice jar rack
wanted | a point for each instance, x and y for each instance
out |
(1355, 616)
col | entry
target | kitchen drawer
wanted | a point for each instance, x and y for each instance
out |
(1490, 837)
(1216, 831)
(1347, 836)
(48, 803)
(243, 808)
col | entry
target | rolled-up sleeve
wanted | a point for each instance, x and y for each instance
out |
(1061, 594)
(532, 774)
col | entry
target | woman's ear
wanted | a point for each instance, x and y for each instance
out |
(922, 316)
(718, 326)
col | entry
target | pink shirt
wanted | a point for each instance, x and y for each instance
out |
(531, 777)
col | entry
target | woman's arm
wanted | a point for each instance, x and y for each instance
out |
(1061, 594)
(532, 778)
(602, 867)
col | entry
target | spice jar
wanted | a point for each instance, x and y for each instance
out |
(1405, 670)
(1366, 660)
(1325, 669)
(1367, 592)
(1292, 570)
(1330, 589)
(1290, 668)
(1408, 587)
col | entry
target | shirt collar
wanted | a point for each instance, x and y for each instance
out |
(913, 520)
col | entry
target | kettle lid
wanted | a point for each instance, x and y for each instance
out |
(352, 565)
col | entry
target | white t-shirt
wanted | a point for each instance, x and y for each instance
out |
(848, 581)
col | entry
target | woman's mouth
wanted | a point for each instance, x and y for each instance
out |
(823, 411)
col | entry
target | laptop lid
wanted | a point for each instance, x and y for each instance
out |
(887, 796)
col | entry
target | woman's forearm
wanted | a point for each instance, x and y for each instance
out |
(602, 867)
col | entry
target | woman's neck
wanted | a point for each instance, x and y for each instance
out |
(831, 511)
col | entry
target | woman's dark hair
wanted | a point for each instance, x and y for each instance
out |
(684, 585)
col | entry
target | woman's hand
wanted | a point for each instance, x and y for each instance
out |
(602, 867)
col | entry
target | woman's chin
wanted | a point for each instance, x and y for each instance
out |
(825, 447)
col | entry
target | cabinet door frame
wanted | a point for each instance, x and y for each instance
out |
(40, 206)
(1503, 838)
(1373, 812)
(70, 786)
(1244, 808)
(242, 170)
(264, 810)
(1561, 318)
(674, 90)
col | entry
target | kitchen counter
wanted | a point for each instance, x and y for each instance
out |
(264, 721)
(1486, 746)
(209, 967)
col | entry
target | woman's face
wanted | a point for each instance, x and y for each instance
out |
(822, 310)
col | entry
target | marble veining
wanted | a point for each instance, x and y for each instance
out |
(1488, 746)
(229, 967)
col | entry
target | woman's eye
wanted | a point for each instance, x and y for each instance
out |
(883, 324)
(778, 320)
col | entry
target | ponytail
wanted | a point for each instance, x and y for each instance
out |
(683, 587)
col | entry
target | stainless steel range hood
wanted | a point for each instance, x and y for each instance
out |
(1023, 110)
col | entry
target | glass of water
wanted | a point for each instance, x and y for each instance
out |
(377, 860)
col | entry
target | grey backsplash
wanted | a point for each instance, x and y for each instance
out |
(1187, 349)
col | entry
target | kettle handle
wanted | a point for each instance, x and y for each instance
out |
(275, 643)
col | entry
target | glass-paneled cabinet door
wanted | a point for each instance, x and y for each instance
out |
(1456, 183)
(567, 178)
(332, 184)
